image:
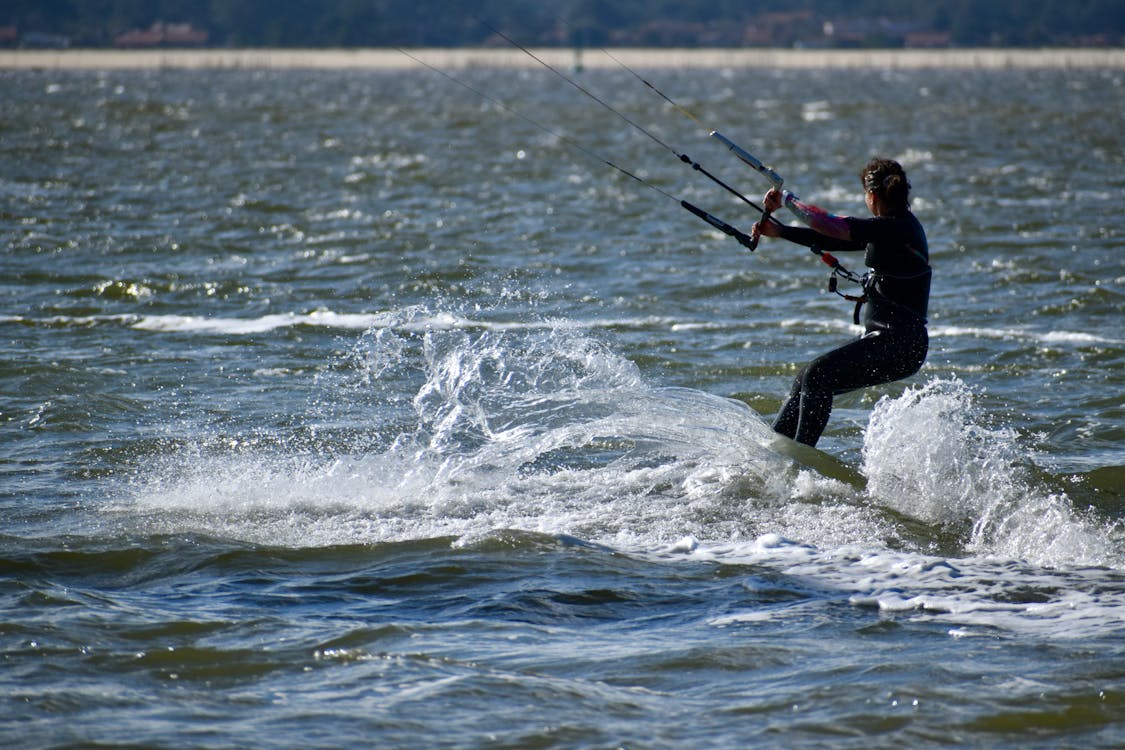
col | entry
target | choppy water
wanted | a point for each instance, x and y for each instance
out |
(346, 408)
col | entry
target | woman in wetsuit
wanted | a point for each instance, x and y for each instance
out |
(897, 290)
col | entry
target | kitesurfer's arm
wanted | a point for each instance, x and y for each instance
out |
(812, 238)
(815, 235)
(815, 217)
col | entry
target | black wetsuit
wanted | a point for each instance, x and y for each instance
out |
(894, 343)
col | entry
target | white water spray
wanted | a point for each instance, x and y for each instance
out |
(930, 455)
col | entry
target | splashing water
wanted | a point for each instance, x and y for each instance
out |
(928, 455)
(540, 427)
(536, 427)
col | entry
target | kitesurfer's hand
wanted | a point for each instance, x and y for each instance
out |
(768, 228)
(765, 229)
(772, 201)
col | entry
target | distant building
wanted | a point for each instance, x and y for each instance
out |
(881, 32)
(782, 29)
(40, 40)
(162, 34)
(927, 39)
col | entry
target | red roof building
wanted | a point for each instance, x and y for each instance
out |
(162, 34)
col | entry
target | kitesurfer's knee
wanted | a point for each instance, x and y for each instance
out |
(817, 377)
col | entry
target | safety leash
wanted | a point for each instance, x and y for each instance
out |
(838, 272)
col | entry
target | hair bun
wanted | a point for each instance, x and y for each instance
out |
(892, 181)
(887, 178)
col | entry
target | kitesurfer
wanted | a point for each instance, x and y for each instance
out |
(896, 292)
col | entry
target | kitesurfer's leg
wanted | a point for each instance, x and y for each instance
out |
(806, 411)
(876, 357)
(786, 421)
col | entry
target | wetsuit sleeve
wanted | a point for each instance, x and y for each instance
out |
(816, 218)
(812, 238)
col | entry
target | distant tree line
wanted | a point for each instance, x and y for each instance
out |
(355, 23)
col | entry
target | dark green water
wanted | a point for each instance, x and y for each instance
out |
(346, 408)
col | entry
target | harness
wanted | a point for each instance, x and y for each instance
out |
(866, 282)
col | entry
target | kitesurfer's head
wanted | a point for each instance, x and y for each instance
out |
(886, 187)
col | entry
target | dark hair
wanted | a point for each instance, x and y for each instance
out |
(887, 179)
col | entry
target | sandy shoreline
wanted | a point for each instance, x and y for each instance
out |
(392, 59)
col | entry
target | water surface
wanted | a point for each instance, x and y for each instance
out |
(347, 407)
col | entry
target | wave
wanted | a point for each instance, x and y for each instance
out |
(1055, 337)
(1021, 334)
(328, 319)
